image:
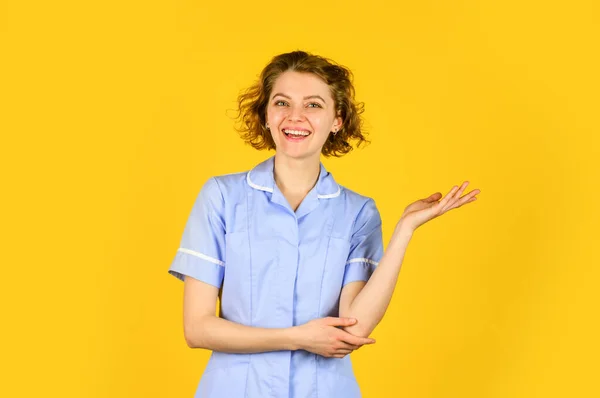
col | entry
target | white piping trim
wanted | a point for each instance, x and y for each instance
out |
(328, 196)
(331, 195)
(202, 256)
(253, 185)
(362, 260)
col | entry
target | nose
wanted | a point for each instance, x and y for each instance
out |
(296, 113)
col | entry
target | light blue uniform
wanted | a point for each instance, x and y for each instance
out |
(278, 268)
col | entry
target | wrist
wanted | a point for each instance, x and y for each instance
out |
(294, 338)
(402, 231)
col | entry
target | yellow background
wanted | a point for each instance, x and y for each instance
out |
(114, 113)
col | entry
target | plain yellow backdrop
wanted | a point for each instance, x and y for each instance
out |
(113, 114)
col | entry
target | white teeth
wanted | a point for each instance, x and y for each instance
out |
(296, 132)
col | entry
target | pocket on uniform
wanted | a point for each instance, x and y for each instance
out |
(236, 247)
(264, 255)
(338, 250)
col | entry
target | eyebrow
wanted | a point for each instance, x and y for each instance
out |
(307, 97)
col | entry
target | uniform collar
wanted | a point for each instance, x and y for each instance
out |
(261, 177)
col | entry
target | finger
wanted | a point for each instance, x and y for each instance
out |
(333, 321)
(343, 351)
(348, 346)
(455, 197)
(470, 197)
(340, 354)
(465, 199)
(356, 340)
(433, 198)
(447, 198)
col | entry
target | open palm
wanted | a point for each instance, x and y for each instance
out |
(423, 210)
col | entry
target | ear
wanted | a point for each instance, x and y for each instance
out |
(337, 122)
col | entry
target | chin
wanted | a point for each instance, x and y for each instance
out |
(295, 153)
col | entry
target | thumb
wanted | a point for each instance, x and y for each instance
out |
(433, 197)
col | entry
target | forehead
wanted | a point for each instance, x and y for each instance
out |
(297, 84)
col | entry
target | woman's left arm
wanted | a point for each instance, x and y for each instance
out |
(367, 302)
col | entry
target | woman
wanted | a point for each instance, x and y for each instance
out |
(297, 258)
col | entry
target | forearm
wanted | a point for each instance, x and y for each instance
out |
(218, 334)
(371, 303)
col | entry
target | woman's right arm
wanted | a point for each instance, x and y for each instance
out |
(203, 329)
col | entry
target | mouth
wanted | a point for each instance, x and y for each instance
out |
(295, 135)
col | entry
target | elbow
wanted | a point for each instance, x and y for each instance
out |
(191, 339)
(359, 330)
(362, 327)
(194, 333)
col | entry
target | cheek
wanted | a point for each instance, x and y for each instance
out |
(319, 122)
(275, 115)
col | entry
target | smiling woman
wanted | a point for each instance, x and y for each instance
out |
(304, 84)
(297, 258)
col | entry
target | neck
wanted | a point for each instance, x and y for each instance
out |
(296, 176)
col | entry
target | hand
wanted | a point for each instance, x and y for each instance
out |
(423, 210)
(322, 337)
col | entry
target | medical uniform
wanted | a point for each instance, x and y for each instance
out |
(278, 268)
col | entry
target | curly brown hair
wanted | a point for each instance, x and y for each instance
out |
(252, 102)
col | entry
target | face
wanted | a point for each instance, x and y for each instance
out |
(301, 115)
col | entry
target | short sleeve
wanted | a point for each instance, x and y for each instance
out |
(366, 245)
(202, 246)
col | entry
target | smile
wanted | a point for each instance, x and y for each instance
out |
(296, 133)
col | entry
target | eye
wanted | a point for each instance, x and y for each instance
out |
(280, 103)
(317, 105)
